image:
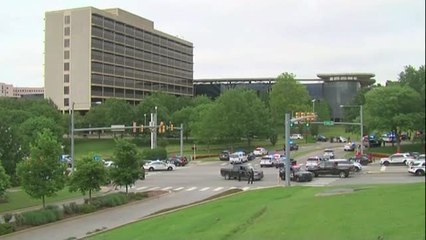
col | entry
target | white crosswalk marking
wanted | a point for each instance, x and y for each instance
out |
(223, 164)
(245, 188)
(166, 188)
(141, 188)
(217, 189)
(383, 168)
(232, 188)
(191, 188)
(153, 188)
(178, 189)
(204, 189)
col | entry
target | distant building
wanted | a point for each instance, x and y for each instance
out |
(8, 90)
(92, 55)
(337, 88)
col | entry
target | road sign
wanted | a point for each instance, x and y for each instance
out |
(328, 123)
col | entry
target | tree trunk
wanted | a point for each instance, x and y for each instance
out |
(90, 196)
(127, 189)
(44, 202)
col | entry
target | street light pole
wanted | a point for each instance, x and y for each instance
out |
(313, 105)
(144, 117)
(361, 116)
(72, 137)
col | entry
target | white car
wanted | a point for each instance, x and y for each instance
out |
(158, 166)
(328, 153)
(237, 157)
(415, 161)
(313, 161)
(260, 151)
(349, 147)
(267, 161)
(418, 169)
(397, 158)
(296, 136)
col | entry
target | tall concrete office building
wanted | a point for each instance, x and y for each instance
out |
(92, 55)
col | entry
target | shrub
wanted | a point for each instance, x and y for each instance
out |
(87, 208)
(154, 154)
(137, 195)
(19, 219)
(7, 217)
(67, 209)
(42, 216)
(74, 207)
(6, 228)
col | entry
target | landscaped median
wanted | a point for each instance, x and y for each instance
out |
(52, 213)
(394, 211)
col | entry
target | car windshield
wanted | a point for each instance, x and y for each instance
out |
(328, 151)
(233, 155)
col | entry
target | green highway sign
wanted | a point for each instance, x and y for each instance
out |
(328, 123)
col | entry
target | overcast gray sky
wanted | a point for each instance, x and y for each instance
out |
(245, 38)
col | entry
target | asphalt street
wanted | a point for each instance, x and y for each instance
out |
(198, 181)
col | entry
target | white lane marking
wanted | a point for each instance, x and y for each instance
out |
(166, 188)
(191, 188)
(217, 189)
(178, 189)
(383, 168)
(232, 188)
(223, 164)
(245, 188)
(141, 188)
(204, 189)
(153, 188)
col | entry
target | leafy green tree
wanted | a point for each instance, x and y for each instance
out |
(42, 175)
(414, 78)
(89, 176)
(118, 112)
(32, 126)
(11, 152)
(391, 108)
(126, 169)
(4, 182)
(287, 95)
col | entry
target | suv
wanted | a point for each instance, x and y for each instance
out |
(328, 153)
(237, 157)
(296, 136)
(418, 169)
(397, 158)
(224, 155)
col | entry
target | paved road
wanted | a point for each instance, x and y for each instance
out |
(199, 181)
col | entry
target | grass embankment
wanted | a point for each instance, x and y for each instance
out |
(18, 199)
(370, 212)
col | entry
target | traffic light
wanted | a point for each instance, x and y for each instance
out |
(297, 114)
(142, 128)
(307, 124)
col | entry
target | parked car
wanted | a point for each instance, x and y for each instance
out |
(251, 156)
(297, 173)
(415, 161)
(267, 161)
(331, 168)
(296, 136)
(397, 158)
(260, 151)
(349, 147)
(417, 169)
(158, 166)
(345, 162)
(328, 153)
(178, 161)
(280, 163)
(224, 155)
(322, 138)
(363, 159)
(293, 146)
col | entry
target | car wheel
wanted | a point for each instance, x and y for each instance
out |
(342, 174)
(169, 169)
(420, 173)
(386, 163)
(151, 169)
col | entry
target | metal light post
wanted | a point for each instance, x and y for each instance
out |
(144, 117)
(313, 105)
(72, 137)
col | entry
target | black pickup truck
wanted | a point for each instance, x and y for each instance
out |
(240, 171)
(330, 168)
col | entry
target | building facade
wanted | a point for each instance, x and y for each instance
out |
(337, 88)
(8, 90)
(92, 55)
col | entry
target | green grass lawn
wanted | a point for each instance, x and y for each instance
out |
(18, 199)
(371, 212)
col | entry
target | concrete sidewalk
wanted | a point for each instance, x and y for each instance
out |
(81, 226)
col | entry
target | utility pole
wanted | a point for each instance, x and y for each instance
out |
(287, 149)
